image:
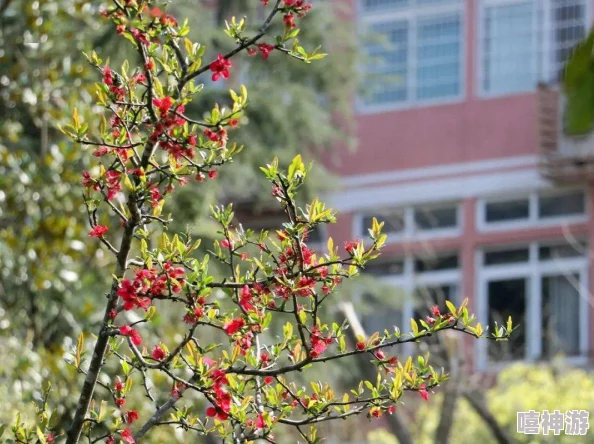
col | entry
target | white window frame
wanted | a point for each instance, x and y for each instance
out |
(412, 14)
(410, 280)
(533, 220)
(410, 232)
(533, 271)
(542, 44)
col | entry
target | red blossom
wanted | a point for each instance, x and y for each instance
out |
(233, 326)
(120, 402)
(268, 380)
(158, 353)
(164, 104)
(265, 49)
(435, 311)
(351, 246)
(220, 67)
(212, 174)
(361, 345)
(289, 20)
(392, 409)
(107, 75)
(260, 423)
(101, 151)
(149, 65)
(119, 385)
(140, 36)
(98, 231)
(126, 330)
(127, 436)
(131, 416)
(423, 392)
(245, 301)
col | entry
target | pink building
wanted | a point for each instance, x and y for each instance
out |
(450, 158)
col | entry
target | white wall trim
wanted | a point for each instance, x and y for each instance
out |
(440, 170)
(430, 191)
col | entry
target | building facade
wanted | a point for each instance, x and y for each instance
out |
(450, 156)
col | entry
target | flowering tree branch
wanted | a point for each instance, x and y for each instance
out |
(265, 312)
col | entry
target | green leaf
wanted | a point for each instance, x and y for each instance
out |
(414, 327)
(578, 117)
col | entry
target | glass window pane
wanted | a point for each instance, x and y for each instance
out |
(569, 26)
(508, 210)
(384, 267)
(386, 63)
(562, 205)
(393, 221)
(436, 263)
(429, 218)
(316, 235)
(427, 297)
(438, 57)
(508, 298)
(509, 56)
(560, 315)
(502, 257)
(559, 251)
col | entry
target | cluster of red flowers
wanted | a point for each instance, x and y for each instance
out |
(222, 399)
(220, 136)
(147, 283)
(319, 343)
(126, 330)
(197, 312)
(220, 68)
(98, 231)
(108, 80)
(158, 353)
(264, 48)
(295, 6)
(435, 313)
(234, 325)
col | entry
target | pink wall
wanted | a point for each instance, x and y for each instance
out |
(472, 129)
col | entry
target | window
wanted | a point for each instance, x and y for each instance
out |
(427, 297)
(431, 218)
(506, 210)
(427, 220)
(509, 56)
(561, 205)
(548, 207)
(526, 41)
(385, 267)
(393, 221)
(417, 286)
(370, 5)
(560, 251)
(436, 263)
(560, 315)
(438, 57)
(508, 256)
(542, 287)
(413, 51)
(507, 297)
(568, 17)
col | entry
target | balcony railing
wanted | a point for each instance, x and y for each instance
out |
(563, 158)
